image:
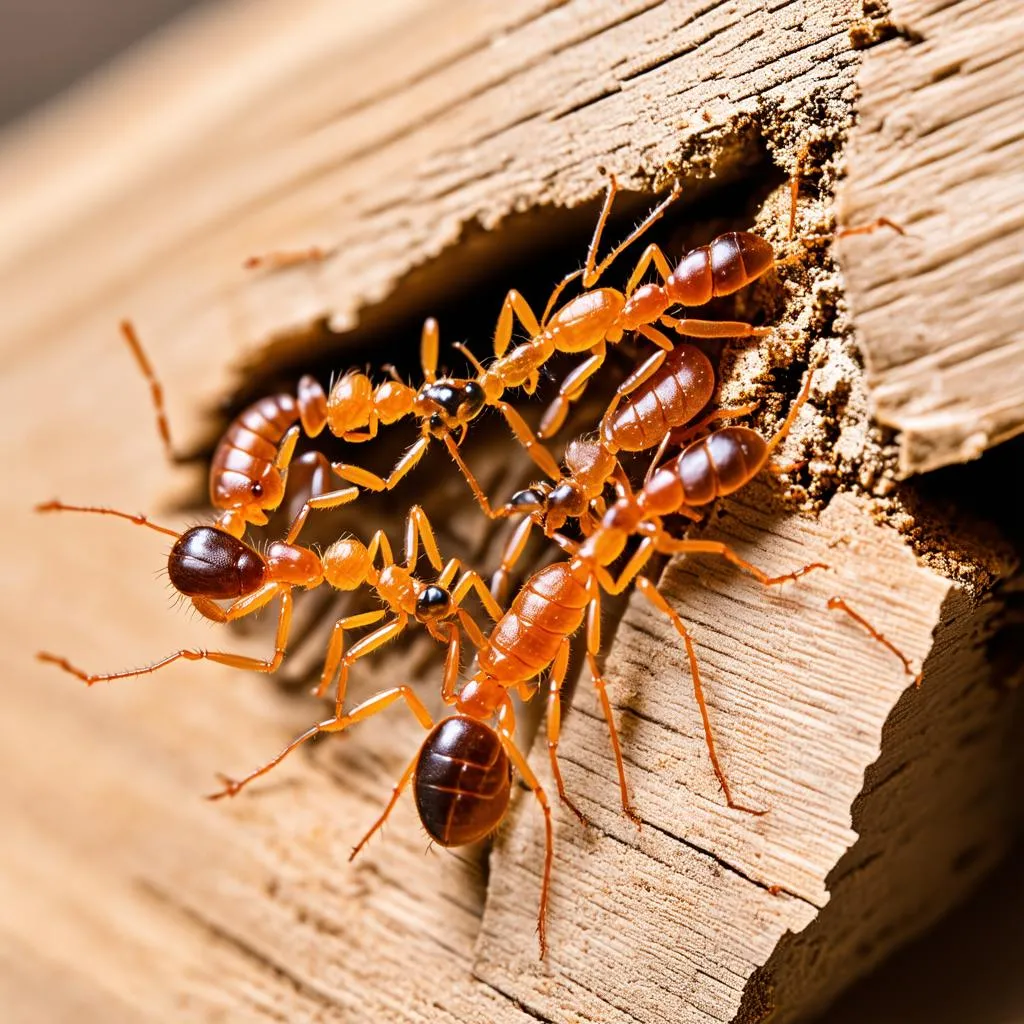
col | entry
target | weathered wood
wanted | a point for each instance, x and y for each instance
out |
(387, 140)
(938, 148)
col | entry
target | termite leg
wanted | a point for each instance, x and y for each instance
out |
(593, 649)
(367, 709)
(506, 730)
(657, 599)
(787, 424)
(529, 440)
(691, 328)
(642, 555)
(417, 530)
(452, 664)
(514, 303)
(332, 499)
(652, 254)
(336, 646)
(670, 546)
(473, 581)
(837, 603)
(155, 388)
(653, 334)
(510, 555)
(396, 792)
(555, 680)
(474, 485)
(360, 649)
(592, 273)
(572, 388)
(221, 657)
(372, 482)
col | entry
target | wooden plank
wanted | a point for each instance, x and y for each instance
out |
(267, 125)
(938, 148)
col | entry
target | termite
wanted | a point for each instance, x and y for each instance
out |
(249, 468)
(665, 394)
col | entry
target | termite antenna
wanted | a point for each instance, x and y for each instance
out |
(790, 419)
(155, 387)
(838, 604)
(138, 520)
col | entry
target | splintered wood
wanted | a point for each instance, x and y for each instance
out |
(387, 138)
(939, 149)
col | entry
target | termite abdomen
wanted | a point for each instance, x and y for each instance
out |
(463, 781)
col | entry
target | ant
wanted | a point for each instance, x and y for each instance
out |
(462, 771)
(207, 564)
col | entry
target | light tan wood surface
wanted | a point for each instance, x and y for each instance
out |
(938, 148)
(422, 145)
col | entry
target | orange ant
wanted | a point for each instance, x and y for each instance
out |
(207, 565)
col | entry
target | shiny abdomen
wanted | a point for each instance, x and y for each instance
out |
(671, 398)
(462, 781)
(548, 608)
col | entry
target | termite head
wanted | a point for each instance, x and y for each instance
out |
(433, 603)
(207, 562)
(243, 497)
(565, 501)
(449, 405)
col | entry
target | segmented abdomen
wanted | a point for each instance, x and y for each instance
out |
(549, 607)
(670, 398)
(717, 465)
(462, 781)
(249, 446)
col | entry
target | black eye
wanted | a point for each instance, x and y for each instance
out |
(256, 490)
(434, 602)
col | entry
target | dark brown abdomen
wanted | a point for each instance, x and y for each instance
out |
(673, 396)
(548, 608)
(717, 465)
(462, 781)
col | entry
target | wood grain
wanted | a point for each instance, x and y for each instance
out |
(938, 148)
(421, 144)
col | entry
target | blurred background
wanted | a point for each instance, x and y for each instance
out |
(970, 969)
